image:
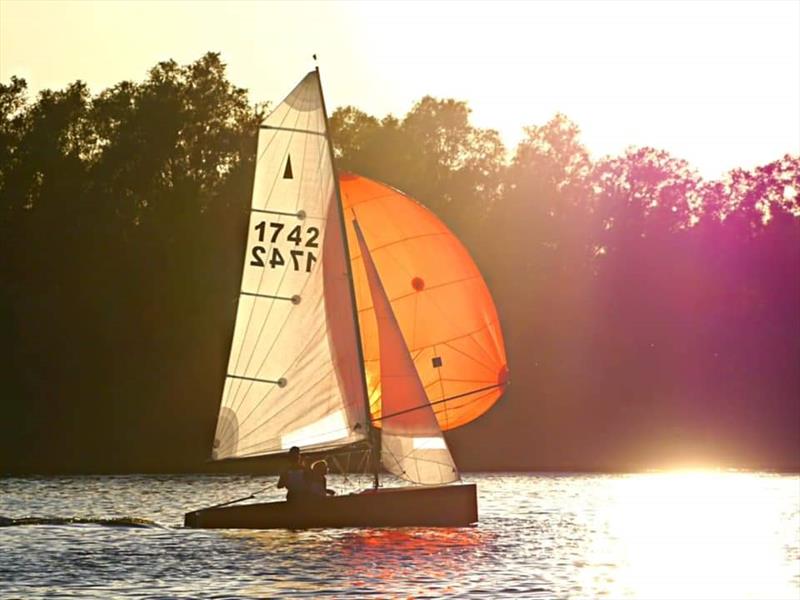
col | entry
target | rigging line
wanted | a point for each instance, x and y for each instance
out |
(362, 466)
(422, 406)
(386, 448)
(472, 400)
(308, 131)
(483, 381)
(261, 278)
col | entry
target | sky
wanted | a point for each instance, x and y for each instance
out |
(716, 83)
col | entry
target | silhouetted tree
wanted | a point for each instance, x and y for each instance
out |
(648, 314)
(434, 154)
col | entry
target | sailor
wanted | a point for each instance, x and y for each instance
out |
(317, 483)
(295, 477)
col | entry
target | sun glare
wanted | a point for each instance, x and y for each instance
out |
(698, 534)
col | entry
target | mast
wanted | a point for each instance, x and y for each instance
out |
(371, 431)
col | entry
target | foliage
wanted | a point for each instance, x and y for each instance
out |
(647, 312)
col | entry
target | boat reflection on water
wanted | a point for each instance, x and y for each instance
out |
(421, 561)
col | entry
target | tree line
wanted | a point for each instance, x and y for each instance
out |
(650, 316)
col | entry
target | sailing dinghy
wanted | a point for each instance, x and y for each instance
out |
(382, 349)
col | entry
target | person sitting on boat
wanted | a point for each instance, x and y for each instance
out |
(295, 477)
(317, 483)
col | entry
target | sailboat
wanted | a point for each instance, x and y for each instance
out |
(362, 323)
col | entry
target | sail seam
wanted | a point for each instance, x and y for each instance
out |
(311, 339)
(469, 356)
(301, 183)
(269, 313)
(427, 288)
(233, 401)
(266, 420)
(263, 324)
(258, 403)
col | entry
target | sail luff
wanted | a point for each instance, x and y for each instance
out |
(369, 428)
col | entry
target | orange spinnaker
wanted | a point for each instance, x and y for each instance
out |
(441, 302)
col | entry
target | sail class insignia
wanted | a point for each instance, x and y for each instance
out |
(287, 172)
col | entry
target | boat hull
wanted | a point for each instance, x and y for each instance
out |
(441, 506)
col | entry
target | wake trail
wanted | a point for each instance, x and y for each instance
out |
(115, 522)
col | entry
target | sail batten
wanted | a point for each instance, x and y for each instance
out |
(290, 377)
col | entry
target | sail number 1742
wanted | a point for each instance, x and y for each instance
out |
(299, 258)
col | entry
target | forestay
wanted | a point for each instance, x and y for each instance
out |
(412, 445)
(294, 376)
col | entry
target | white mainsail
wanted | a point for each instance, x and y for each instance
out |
(412, 444)
(294, 374)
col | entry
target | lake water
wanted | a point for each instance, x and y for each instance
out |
(690, 535)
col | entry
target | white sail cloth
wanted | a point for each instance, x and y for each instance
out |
(294, 374)
(412, 445)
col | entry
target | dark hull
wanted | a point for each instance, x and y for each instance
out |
(445, 506)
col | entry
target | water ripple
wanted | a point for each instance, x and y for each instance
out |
(540, 536)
